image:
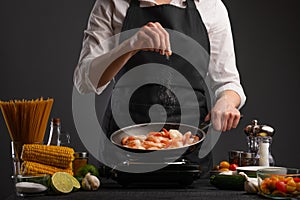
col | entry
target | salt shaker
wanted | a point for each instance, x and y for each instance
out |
(264, 155)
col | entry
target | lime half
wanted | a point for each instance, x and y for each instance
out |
(61, 182)
(76, 183)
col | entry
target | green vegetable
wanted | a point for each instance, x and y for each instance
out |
(228, 182)
(82, 171)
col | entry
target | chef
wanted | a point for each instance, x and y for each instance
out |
(205, 21)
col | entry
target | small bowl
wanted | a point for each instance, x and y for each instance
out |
(32, 185)
(279, 182)
(249, 170)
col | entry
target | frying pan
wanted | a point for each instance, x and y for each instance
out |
(144, 129)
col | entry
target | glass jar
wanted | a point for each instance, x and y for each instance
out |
(235, 157)
(248, 159)
(55, 130)
(81, 159)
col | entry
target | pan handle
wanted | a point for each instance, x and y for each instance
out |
(206, 124)
(127, 162)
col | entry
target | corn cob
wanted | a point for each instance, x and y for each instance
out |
(32, 168)
(57, 156)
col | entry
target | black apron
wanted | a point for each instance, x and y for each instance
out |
(187, 21)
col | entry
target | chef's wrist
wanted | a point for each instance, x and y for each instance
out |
(231, 97)
(129, 47)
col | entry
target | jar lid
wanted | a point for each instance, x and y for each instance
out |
(81, 155)
(235, 152)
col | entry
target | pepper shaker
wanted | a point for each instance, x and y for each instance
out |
(259, 139)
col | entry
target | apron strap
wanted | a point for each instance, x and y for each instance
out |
(135, 3)
(190, 4)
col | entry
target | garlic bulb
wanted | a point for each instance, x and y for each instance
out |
(251, 184)
(90, 182)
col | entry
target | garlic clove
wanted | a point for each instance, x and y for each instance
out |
(251, 184)
(90, 182)
(249, 187)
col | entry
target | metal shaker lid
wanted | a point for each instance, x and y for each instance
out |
(254, 129)
(81, 155)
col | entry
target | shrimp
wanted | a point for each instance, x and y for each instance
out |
(128, 139)
(160, 140)
(165, 133)
(155, 134)
(153, 139)
(175, 134)
(186, 138)
(176, 143)
(135, 142)
(141, 137)
(124, 140)
(150, 144)
(195, 138)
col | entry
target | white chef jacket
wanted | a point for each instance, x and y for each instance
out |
(106, 20)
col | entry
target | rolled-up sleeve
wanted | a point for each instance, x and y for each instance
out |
(223, 73)
(95, 44)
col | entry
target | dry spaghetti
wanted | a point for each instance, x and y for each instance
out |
(26, 120)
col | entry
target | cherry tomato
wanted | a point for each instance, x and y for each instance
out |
(287, 179)
(290, 189)
(297, 180)
(224, 164)
(233, 167)
(281, 186)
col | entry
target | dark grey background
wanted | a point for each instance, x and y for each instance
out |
(41, 40)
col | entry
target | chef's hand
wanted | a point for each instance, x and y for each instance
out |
(225, 115)
(152, 37)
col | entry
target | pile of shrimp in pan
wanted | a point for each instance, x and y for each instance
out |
(160, 140)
